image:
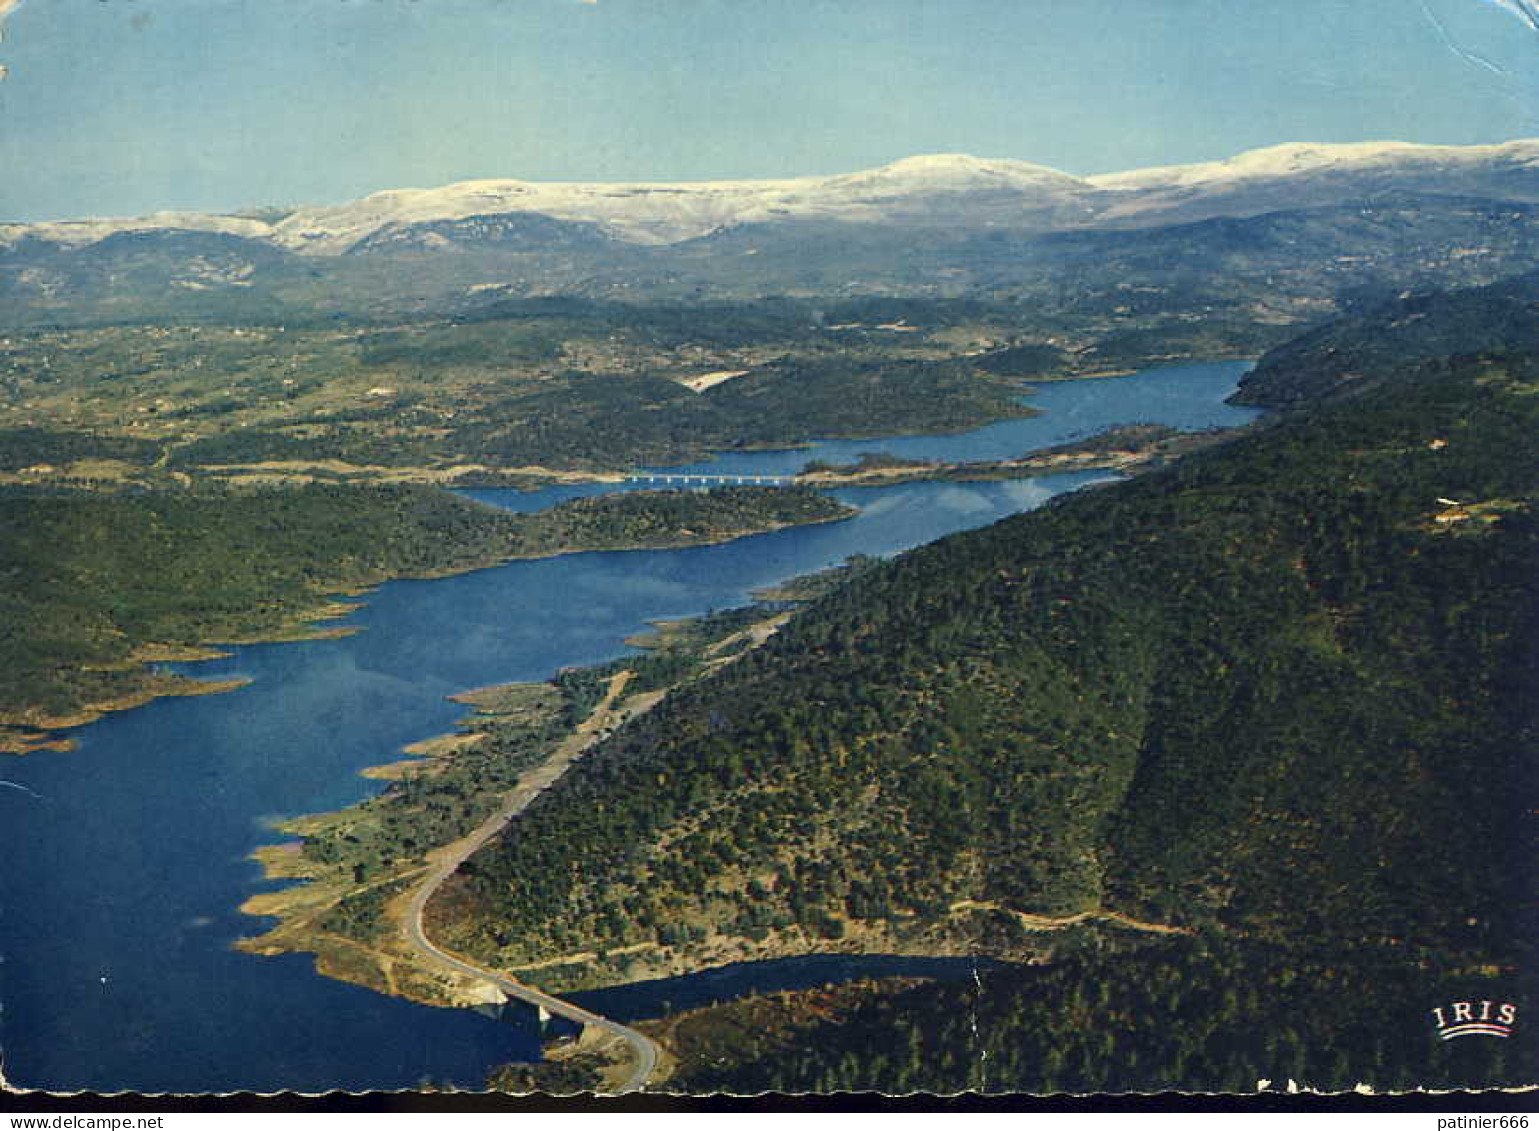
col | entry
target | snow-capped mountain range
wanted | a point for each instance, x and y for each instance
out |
(939, 190)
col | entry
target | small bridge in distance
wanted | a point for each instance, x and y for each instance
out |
(679, 480)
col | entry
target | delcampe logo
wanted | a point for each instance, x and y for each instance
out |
(1475, 1019)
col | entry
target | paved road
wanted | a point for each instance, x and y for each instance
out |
(448, 861)
(643, 1047)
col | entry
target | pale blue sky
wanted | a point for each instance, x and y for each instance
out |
(116, 107)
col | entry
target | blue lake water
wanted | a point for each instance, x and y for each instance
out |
(127, 858)
(1183, 396)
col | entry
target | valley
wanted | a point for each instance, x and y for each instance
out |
(1125, 684)
(89, 627)
(1345, 670)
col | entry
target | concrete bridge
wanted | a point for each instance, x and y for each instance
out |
(664, 479)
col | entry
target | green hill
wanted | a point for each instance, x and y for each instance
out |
(1385, 341)
(93, 583)
(1205, 1016)
(1288, 650)
(1279, 696)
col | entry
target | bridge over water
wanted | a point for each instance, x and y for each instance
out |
(692, 480)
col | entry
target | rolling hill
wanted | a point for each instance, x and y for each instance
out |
(1271, 708)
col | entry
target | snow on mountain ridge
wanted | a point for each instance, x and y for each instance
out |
(947, 173)
(640, 213)
(1295, 158)
(945, 188)
(659, 213)
(962, 168)
(80, 233)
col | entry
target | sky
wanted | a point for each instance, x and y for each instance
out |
(123, 107)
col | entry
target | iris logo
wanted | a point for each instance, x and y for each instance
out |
(1475, 1019)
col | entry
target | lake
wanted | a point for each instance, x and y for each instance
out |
(127, 857)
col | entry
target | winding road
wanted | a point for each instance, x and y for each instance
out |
(447, 861)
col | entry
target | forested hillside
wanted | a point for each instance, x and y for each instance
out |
(1184, 1016)
(1388, 340)
(89, 580)
(1268, 692)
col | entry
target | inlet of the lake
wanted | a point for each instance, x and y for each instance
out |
(127, 857)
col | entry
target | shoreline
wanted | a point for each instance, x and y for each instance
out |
(35, 733)
(372, 952)
(1138, 448)
(383, 961)
(25, 732)
(21, 744)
